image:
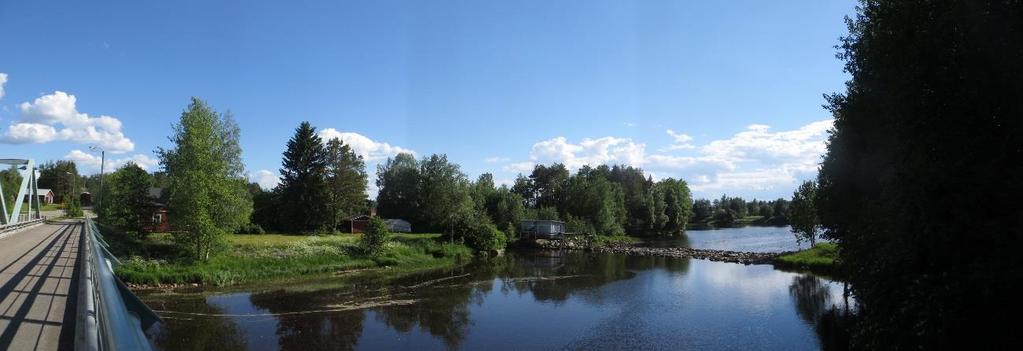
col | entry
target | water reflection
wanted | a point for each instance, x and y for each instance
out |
(517, 301)
(817, 304)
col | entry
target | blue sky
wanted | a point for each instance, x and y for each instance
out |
(726, 95)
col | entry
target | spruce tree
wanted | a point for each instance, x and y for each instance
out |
(303, 188)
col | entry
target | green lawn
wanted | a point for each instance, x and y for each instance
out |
(820, 258)
(249, 258)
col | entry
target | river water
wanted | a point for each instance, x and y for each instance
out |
(519, 301)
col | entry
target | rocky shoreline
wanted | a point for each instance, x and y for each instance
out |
(630, 249)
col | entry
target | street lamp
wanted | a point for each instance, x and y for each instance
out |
(102, 162)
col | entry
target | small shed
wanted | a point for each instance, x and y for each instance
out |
(158, 221)
(398, 225)
(45, 196)
(85, 198)
(542, 228)
(359, 223)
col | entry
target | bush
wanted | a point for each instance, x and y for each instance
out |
(250, 228)
(375, 237)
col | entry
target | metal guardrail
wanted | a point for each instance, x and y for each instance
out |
(110, 316)
(19, 225)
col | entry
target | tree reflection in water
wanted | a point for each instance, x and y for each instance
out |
(205, 332)
(831, 319)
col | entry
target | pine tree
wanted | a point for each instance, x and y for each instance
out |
(304, 192)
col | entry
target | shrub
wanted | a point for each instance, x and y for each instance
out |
(250, 228)
(375, 237)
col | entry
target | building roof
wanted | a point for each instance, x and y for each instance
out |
(44, 191)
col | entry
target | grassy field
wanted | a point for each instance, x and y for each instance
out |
(250, 258)
(820, 258)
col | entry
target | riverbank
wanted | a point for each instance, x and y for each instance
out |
(818, 259)
(153, 263)
(627, 246)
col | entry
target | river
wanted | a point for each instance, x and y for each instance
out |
(519, 301)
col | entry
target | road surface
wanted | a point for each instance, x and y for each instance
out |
(38, 287)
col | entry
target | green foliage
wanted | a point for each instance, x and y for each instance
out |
(921, 171)
(206, 185)
(10, 180)
(264, 257)
(303, 188)
(803, 213)
(73, 207)
(251, 228)
(61, 177)
(126, 204)
(479, 233)
(375, 237)
(398, 181)
(820, 258)
(346, 180)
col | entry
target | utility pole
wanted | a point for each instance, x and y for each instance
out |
(102, 163)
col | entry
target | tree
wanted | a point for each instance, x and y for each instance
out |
(678, 205)
(702, 210)
(443, 192)
(803, 213)
(304, 193)
(61, 178)
(10, 180)
(375, 237)
(207, 194)
(398, 184)
(127, 203)
(346, 179)
(926, 152)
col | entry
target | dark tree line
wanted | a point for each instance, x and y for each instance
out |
(729, 211)
(921, 171)
(606, 200)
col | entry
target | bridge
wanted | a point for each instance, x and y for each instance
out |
(57, 285)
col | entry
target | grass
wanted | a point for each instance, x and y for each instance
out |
(820, 258)
(604, 240)
(251, 258)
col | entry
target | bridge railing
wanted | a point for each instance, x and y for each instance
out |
(110, 316)
(20, 224)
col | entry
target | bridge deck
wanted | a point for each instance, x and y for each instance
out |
(38, 287)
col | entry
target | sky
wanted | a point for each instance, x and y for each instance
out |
(726, 95)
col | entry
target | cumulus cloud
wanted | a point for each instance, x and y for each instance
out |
(3, 80)
(754, 159)
(54, 117)
(90, 163)
(367, 148)
(265, 178)
(606, 150)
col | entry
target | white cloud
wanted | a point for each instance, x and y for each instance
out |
(3, 80)
(90, 163)
(496, 159)
(367, 148)
(629, 124)
(520, 167)
(265, 178)
(55, 117)
(682, 141)
(606, 150)
(755, 159)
